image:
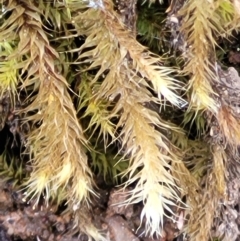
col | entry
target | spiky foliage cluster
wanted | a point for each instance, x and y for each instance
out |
(124, 78)
(56, 160)
(79, 84)
(201, 27)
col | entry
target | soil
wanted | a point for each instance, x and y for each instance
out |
(22, 221)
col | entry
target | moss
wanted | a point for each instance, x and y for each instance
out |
(86, 94)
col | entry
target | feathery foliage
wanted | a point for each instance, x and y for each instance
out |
(87, 96)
